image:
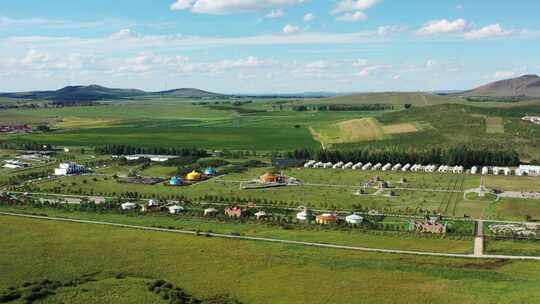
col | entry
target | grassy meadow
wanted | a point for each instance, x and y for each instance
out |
(261, 126)
(248, 271)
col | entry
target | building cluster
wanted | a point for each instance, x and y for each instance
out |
(532, 119)
(328, 218)
(238, 212)
(69, 169)
(522, 170)
(193, 177)
(433, 225)
(271, 178)
(16, 129)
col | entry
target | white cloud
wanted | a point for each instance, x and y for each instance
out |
(360, 63)
(275, 13)
(367, 71)
(124, 34)
(317, 65)
(353, 5)
(504, 74)
(249, 62)
(389, 29)
(182, 5)
(494, 30)
(431, 63)
(352, 17)
(309, 17)
(290, 29)
(220, 7)
(443, 27)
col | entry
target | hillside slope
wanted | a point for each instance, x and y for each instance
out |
(524, 86)
(96, 93)
(188, 93)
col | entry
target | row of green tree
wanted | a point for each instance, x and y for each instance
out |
(459, 155)
(130, 150)
(366, 107)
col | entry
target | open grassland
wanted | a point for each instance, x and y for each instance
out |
(515, 209)
(393, 98)
(512, 183)
(257, 127)
(251, 272)
(512, 247)
(167, 124)
(494, 125)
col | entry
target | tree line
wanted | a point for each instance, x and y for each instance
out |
(366, 107)
(452, 156)
(130, 150)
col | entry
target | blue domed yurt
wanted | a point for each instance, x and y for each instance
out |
(210, 171)
(175, 181)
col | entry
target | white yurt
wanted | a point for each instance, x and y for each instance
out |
(176, 209)
(354, 219)
(128, 206)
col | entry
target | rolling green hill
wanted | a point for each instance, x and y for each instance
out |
(96, 93)
(393, 98)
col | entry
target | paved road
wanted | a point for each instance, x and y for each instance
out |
(289, 242)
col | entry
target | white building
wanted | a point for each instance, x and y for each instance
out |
(128, 206)
(485, 170)
(387, 167)
(528, 170)
(396, 167)
(377, 167)
(176, 209)
(348, 165)
(406, 168)
(304, 215)
(338, 165)
(354, 219)
(69, 169)
(357, 166)
(474, 170)
(366, 167)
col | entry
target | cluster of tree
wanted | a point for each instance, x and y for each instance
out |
(366, 107)
(459, 155)
(25, 145)
(130, 150)
(176, 295)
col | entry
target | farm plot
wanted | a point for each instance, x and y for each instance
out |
(494, 125)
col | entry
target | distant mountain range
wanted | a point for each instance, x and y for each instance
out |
(527, 86)
(96, 93)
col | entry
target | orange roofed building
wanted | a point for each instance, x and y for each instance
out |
(269, 178)
(326, 218)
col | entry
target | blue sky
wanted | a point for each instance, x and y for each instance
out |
(267, 46)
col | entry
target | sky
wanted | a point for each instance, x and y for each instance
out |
(267, 46)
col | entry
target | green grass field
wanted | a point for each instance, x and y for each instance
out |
(329, 189)
(249, 271)
(167, 123)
